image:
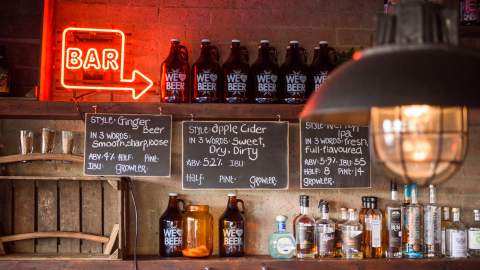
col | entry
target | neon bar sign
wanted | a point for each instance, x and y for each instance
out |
(93, 59)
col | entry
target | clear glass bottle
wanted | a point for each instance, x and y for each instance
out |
(374, 223)
(393, 215)
(432, 228)
(363, 219)
(456, 237)
(343, 217)
(305, 230)
(325, 232)
(445, 224)
(474, 235)
(352, 233)
(281, 244)
(412, 241)
(197, 232)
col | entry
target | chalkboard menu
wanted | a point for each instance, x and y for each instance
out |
(127, 144)
(235, 155)
(334, 156)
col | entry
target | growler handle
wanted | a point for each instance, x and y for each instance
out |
(183, 53)
(274, 54)
(243, 205)
(305, 56)
(244, 53)
(182, 202)
(215, 53)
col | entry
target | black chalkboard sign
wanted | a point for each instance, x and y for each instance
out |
(334, 156)
(127, 144)
(235, 155)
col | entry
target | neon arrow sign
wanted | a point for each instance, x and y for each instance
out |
(93, 59)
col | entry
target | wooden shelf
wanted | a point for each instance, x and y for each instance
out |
(59, 178)
(28, 109)
(250, 263)
(38, 156)
(472, 31)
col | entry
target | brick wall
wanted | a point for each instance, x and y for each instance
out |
(151, 23)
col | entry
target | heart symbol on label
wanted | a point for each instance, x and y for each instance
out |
(182, 76)
(213, 77)
(274, 78)
(243, 77)
(303, 79)
(239, 232)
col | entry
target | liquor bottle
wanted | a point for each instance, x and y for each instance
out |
(445, 224)
(171, 228)
(469, 12)
(474, 235)
(206, 75)
(374, 222)
(363, 219)
(412, 229)
(352, 232)
(432, 228)
(232, 229)
(325, 232)
(294, 74)
(343, 217)
(5, 74)
(305, 231)
(265, 74)
(456, 237)
(236, 74)
(281, 244)
(394, 224)
(174, 75)
(321, 67)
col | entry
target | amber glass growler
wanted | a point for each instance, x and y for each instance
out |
(174, 86)
(236, 74)
(294, 74)
(265, 73)
(171, 228)
(206, 75)
(232, 229)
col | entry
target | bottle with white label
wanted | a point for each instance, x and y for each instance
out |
(281, 244)
(236, 71)
(374, 230)
(304, 226)
(206, 75)
(232, 229)
(265, 74)
(474, 235)
(171, 228)
(393, 219)
(321, 66)
(412, 240)
(432, 232)
(456, 237)
(325, 232)
(352, 233)
(294, 74)
(174, 81)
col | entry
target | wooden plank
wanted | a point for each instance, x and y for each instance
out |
(57, 178)
(6, 214)
(41, 235)
(24, 218)
(38, 156)
(91, 214)
(111, 211)
(69, 200)
(111, 241)
(47, 201)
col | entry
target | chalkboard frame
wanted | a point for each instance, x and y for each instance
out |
(136, 176)
(300, 122)
(239, 121)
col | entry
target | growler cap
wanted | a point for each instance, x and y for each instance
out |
(205, 40)
(173, 194)
(316, 48)
(174, 40)
(232, 194)
(235, 40)
(323, 42)
(281, 218)
(294, 42)
(264, 41)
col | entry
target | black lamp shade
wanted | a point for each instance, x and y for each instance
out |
(394, 75)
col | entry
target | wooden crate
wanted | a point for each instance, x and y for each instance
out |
(91, 207)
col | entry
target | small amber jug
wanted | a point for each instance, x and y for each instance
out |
(197, 232)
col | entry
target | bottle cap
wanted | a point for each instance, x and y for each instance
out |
(294, 42)
(446, 208)
(323, 205)
(350, 210)
(281, 218)
(476, 211)
(343, 209)
(232, 194)
(304, 200)
(316, 48)
(172, 194)
(455, 209)
(323, 42)
(264, 41)
(174, 40)
(235, 40)
(393, 186)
